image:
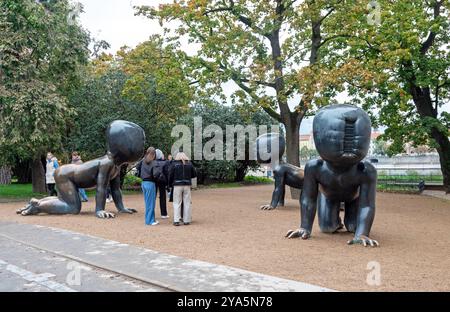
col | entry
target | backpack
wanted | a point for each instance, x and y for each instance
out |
(158, 173)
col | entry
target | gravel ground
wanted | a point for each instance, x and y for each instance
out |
(228, 228)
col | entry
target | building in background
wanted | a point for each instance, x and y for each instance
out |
(307, 140)
(373, 142)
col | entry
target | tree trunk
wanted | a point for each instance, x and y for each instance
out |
(424, 106)
(22, 170)
(292, 126)
(443, 150)
(5, 175)
(38, 176)
(292, 141)
(241, 171)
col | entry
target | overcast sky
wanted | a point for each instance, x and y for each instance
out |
(114, 21)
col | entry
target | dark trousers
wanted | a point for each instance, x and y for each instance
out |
(51, 189)
(161, 188)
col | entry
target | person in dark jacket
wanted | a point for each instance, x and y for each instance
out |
(161, 184)
(180, 175)
(146, 173)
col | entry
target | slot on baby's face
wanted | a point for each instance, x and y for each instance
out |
(342, 134)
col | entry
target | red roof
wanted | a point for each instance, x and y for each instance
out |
(374, 135)
(305, 137)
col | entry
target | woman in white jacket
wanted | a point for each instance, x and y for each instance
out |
(51, 165)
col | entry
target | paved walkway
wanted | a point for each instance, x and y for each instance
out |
(39, 255)
(25, 268)
(437, 194)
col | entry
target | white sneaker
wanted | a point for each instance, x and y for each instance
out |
(165, 217)
(155, 223)
(108, 200)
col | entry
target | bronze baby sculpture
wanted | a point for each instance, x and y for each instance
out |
(283, 173)
(125, 144)
(342, 138)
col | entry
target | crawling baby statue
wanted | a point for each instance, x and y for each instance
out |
(125, 145)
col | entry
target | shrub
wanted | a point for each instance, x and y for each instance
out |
(257, 180)
(131, 182)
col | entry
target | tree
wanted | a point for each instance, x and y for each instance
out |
(5, 175)
(272, 50)
(381, 148)
(97, 102)
(404, 69)
(144, 85)
(40, 54)
(307, 153)
(225, 169)
(156, 79)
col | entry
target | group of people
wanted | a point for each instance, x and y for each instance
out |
(158, 175)
(161, 175)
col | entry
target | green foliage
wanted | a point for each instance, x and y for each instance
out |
(215, 170)
(413, 173)
(410, 176)
(380, 147)
(131, 182)
(307, 153)
(156, 79)
(98, 101)
(239, 41)
(257, 180)
(144, 85)
(276, 52)
(33, 119)
(225, 170)
(125, 87)
(41, 52)
(398, 189)
(18, 191)
(403, 70)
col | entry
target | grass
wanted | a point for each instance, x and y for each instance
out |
(18, 191)
(399, 178)
(257, 180)
(406, 183)
(397, 189)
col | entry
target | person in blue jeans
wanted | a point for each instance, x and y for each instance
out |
(145, 171)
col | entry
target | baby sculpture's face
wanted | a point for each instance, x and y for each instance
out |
(342, 134)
